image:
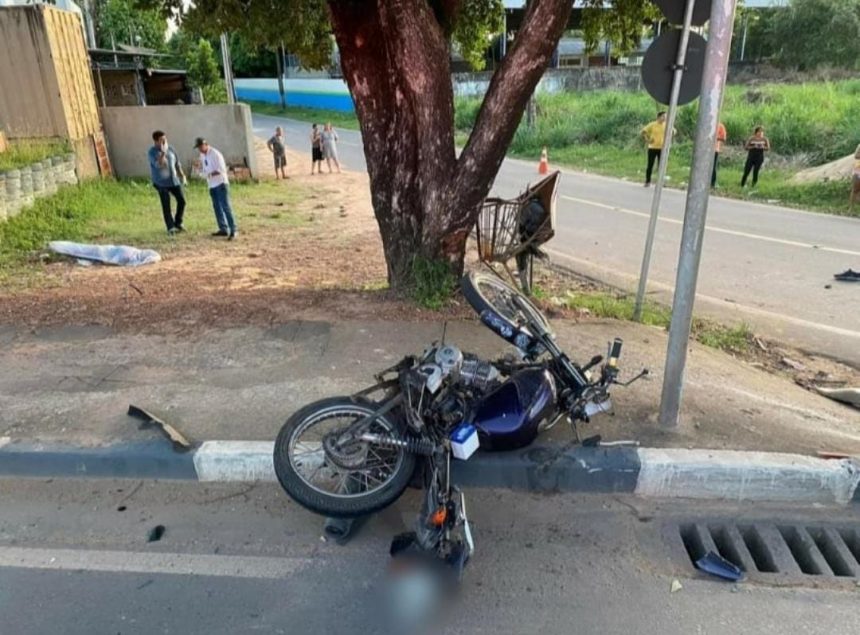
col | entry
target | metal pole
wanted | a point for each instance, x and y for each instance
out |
(504, 41)
(664, 158)
(228, 69)
(744, 38)
(713, 84)
(88, 24)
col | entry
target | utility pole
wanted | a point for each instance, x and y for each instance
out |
(664, 157)
(695, 215)
(228, 68)
(89, 27)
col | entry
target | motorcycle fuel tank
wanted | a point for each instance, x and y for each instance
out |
(508, 418)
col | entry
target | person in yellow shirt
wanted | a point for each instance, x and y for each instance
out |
(654, 135)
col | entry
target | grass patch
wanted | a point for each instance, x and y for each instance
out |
(23, 153)
(597, 131)
(607, 305)
(434, 282)
(128, 212)
(737, 339)
(337, 118)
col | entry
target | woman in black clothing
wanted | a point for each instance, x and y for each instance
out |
(755, 146)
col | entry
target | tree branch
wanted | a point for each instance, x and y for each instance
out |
(506, 99)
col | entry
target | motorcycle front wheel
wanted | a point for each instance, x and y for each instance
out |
(337, 481)
(485, 291)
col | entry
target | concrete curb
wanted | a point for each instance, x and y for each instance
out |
(650, 472)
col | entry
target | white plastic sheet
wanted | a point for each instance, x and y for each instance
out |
(120, 255)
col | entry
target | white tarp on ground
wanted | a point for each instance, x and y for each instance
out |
(120, 255)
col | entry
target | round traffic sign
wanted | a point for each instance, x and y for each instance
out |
(659, 64)
(674, 10)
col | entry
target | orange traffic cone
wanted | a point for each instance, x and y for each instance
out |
(543, 166)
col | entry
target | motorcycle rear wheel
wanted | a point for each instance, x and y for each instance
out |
(364, 479)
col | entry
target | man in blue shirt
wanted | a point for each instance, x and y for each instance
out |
(167, 178)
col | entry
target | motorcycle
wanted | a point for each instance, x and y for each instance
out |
(348, 457)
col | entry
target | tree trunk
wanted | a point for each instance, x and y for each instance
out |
(280, 66)
(395, 60)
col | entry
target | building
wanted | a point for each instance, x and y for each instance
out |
(132, 76)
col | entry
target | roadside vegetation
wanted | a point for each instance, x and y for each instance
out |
(23, 153)
(733, 339)
(808, 124)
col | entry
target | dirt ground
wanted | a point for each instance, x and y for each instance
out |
(329, 267)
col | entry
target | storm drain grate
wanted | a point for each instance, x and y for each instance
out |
(780, 549)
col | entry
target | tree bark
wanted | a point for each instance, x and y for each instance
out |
(280, 66)
(395, 60)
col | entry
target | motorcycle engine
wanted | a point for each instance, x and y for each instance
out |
(478, 373)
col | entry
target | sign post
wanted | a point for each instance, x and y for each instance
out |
(677, 77)
(713, 85)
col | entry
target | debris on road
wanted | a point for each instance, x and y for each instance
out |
(156, 533)
(792, 364)
(676, 586)
(850, 396)
(849, 275)
(715, 565)
(180, 442)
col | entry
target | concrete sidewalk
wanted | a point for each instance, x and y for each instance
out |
(73, 385)
(64, 395)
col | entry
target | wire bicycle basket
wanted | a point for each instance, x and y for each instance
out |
(514, 229)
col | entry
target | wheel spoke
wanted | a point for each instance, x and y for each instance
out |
(312, 462)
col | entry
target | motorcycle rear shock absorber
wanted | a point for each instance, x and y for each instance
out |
(424, 447)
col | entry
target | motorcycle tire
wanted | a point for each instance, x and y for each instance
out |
(337, 505)
(485, 291)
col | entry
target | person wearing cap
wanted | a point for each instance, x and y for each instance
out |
(167, 177)
(215, 170)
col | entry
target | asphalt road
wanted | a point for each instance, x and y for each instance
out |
(764, 265)
(74, 559)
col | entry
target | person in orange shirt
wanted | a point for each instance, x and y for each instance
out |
(855, 180)
(721, 138)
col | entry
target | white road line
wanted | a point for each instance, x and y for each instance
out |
(712, 228)
(151, 562)
(835, 330)
(637, 186)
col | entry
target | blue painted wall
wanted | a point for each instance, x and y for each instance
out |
(298, 92)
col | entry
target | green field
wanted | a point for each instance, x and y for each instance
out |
(808, 124)
(128, 212)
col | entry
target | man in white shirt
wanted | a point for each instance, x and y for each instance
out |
(215, 171)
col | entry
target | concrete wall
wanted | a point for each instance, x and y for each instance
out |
(626, 78)
(29, 91)
(19, 188)
(46, 88)
(328, 94)
(333, 94)
(129, 134)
